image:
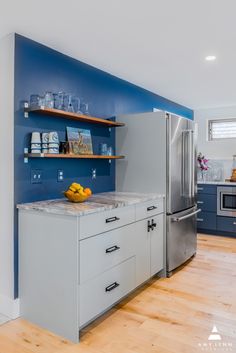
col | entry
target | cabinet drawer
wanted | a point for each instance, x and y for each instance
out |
(226, 224)
(207, 202)
(100, 293)
(104, 221)
(206, 220)
(104, 251)
(206, 189)
(149, 209)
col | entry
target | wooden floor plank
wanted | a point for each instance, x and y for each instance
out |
(171, 315)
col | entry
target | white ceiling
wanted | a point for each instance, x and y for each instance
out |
(157, 44)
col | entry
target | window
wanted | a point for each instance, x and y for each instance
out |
(222, 129)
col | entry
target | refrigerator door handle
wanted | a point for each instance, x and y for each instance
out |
(187, 168)
(179, 219)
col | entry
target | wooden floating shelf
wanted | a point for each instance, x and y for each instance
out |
(73, 116)
(70, 156)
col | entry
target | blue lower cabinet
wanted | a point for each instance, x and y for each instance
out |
(206, 189)
(206, 220)
(226, 224)
(207, 202)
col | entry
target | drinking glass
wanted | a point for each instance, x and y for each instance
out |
(67, 101)
(85, 108)
(110, 151)
(103, 149)
(49, 100)
(41, 101)
(34, 100)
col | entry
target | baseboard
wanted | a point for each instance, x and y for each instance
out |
(9, 307)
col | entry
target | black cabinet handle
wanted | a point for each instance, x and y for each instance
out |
(112, 219)
(153, 224)
(150, 208)
(149, 227)
(112, 248)
(111, 287)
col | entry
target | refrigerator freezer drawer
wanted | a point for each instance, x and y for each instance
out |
(181, 237)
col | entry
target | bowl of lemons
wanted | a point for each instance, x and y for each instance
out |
(77, 193)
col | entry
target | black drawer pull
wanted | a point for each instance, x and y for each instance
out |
(112, 219)
(112, 286)
(112, 248)
(151, 208)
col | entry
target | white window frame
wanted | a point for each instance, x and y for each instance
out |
(209, 123)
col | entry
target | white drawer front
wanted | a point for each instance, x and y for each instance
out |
(104, 221)
(104, 251)
(100, 293)
(149, 209)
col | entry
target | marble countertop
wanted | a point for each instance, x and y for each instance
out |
(97, 203)
(217, 183)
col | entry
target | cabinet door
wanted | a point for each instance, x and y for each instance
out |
(142, 245)
(156, 245)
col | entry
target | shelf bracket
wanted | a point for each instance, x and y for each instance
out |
(26, 114)
(26, 159)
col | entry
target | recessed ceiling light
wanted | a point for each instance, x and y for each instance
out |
(210, 58)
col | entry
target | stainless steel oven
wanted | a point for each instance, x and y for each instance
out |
(226, 201)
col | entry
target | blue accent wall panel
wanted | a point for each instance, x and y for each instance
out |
(39, 69)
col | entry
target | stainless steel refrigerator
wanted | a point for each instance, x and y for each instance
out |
(160, 150)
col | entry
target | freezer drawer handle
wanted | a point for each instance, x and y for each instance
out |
(112, 286)
(112, 219)
(200, 189)
(151, 208)
(112, 248)
(179, 219)
(200, 202)
(200, 219)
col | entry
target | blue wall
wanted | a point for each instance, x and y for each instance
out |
(39, 69)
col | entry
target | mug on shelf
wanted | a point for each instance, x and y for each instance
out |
(45, 137)
(53, 137)
(36, 137)
(53, 150)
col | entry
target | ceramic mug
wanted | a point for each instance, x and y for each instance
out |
(53, 145)
(35, 137)
(53, 137)
(53, 150)
(45, 137)
(35, 150)
(35, 146)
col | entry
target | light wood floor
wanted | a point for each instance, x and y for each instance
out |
(174, 315)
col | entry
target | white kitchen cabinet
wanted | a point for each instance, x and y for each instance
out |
(101, 292)
(73, 268)
(102, 252)
(156, 245)
(149, 247)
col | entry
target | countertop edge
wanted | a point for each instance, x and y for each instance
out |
(105, 202)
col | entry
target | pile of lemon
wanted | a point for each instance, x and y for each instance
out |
(76, 193)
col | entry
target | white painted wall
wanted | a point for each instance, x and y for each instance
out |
(221, 151)
(7, 304)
